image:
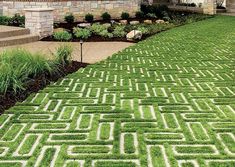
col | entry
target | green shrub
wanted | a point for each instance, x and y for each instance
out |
(4, 20)
(64, 54)
(106, 34)
(106, 16)
(119, 31)
(97, 28)
(101, 30)
(17, 20)
(82, 33)
(125, 15)
(143, 29)
(69, 18)
(139, 14)
(62, 36)
(156, 9)
(89, 17)
(17, 66)
(151, 15)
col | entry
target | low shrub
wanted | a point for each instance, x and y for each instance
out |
(62, 36)
(125, 15)
(97, 28)
(64, 54)
(4, 20)
(143, 29)
(17, 20)
(106, 16)
(101, 30)
(119, 31)
(89, 17)
(151, 15)
(82, 33)
(69, 18)
(106, 34)
(139, 14)
(156, 9)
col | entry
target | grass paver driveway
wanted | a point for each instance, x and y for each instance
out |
(166, 101)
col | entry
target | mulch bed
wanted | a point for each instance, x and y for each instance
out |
(36, 84)
(97, 38)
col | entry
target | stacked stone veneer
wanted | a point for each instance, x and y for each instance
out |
(1, 6)
(78, 7)
(230, 4)
(209, 7)
(39, 21)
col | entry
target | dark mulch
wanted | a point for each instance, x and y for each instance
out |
(96, 38)
(93, 38)
(36, 84)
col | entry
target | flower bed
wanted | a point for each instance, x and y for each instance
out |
(116, 30)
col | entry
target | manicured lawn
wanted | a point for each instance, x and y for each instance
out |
(166, 101)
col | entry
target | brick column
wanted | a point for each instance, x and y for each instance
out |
(39, 21)
(209, 7)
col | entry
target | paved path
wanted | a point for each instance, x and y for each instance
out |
(92, 51)
(168, 101)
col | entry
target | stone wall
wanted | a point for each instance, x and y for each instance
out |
(78, 7)
(209, 7)
(1, 6)
(230, 5)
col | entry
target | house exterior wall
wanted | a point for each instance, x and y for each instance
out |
(1, 5)
(230, 4)
(78, 7)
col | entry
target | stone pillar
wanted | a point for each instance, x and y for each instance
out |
(209, 7)
(39, 21)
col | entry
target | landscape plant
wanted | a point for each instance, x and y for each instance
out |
(125, 15)
(4, 20)
(63, 54)
(96, 28)
(17, 20)
(106, 34)
(82, 33)
(139, 14)
(106, 16)
(18, 65)
(143, 29)
(119, 31)
(69, 18)
(89, 17)
(62, 36)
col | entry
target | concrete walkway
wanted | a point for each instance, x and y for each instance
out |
(92, 51)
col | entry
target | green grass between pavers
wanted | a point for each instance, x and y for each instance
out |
(166, 101)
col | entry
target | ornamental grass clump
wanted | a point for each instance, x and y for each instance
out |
(64, 54)
(17, 66)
